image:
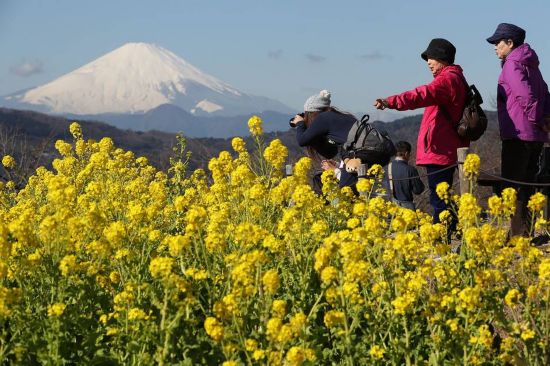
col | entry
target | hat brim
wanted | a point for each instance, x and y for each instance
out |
(424, 55)
(494, 39)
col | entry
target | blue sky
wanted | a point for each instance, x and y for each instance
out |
(286, 49)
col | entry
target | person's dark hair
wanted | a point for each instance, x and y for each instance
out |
(517, 42)
(403, 147)
(310, 116)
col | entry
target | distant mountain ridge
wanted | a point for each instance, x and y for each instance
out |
(135, 79)
(171, 118)
(156, 144)
(37, 128)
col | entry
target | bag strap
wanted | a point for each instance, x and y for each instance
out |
(442, 107)
(390, 179)
(363, 124)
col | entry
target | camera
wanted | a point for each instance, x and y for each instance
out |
(291, 121)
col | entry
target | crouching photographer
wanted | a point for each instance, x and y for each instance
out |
(323, 129)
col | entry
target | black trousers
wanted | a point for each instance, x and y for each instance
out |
(436, 176)
(520, 161)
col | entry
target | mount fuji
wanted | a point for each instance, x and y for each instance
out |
(140, 79)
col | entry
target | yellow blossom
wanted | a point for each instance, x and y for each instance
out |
(364, 185)
(161, 267)
(56, 310)
(377, 352)
(255, 126)
(68, 265)
(75, 130)
(537, 202)
(527, 335)
(512, 297)
(276, 153)
(271, 281)
(278, 308)
(471, 165)
(137, 314)
(443, 191)
(214, 328)
(334, 318)
(8, 162)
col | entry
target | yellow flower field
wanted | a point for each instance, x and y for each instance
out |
(106, 260)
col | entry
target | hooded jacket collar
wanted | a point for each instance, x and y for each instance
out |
(523, 54)
(449, 68)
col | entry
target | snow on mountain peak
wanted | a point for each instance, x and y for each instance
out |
(206, 106)
(133, 78)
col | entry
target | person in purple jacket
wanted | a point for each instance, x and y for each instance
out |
(523, 103)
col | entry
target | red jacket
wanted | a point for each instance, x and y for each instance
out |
(437, 138)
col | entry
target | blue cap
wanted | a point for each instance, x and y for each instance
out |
(507, 31)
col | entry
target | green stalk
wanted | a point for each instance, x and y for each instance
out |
(349, 358)
(162, 328)
(407, 343)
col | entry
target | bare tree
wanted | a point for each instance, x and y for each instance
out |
(14, 142)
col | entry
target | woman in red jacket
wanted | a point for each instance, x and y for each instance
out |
(444, 97)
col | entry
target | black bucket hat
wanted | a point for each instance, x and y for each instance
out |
(507, 31)
(440, 49)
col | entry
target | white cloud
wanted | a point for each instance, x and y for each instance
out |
(374, 56)
(27, 68)
(315, 58)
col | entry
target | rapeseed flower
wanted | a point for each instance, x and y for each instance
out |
(334, 318)
(255, 126)
(214, 328)
(273, 328)
(76, 130)
(276, 153)
(278, 308)
(56, 310)
(271, 281)
(364, 185)
(512, 297)
(137, 314)
(8, 162)
(443, 191)
(471, 165)
(537, 202)
(377, 352)
(161, 267)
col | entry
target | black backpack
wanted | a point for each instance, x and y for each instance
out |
(473, 122)
(369, 144)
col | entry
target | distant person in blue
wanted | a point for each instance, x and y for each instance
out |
(404, 179)
(323, 129)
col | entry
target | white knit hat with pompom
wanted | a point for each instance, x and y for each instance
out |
(317, 102)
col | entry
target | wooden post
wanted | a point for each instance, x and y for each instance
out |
(464, 182)
(288, 170)
(362, 171)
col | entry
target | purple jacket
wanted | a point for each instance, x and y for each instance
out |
(522, 97)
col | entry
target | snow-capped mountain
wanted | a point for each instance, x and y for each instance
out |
(136, 78)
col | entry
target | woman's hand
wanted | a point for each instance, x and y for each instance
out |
(297, 118)
(381, 103)
(328, 164)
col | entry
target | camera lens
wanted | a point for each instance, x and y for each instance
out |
(291, 122)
